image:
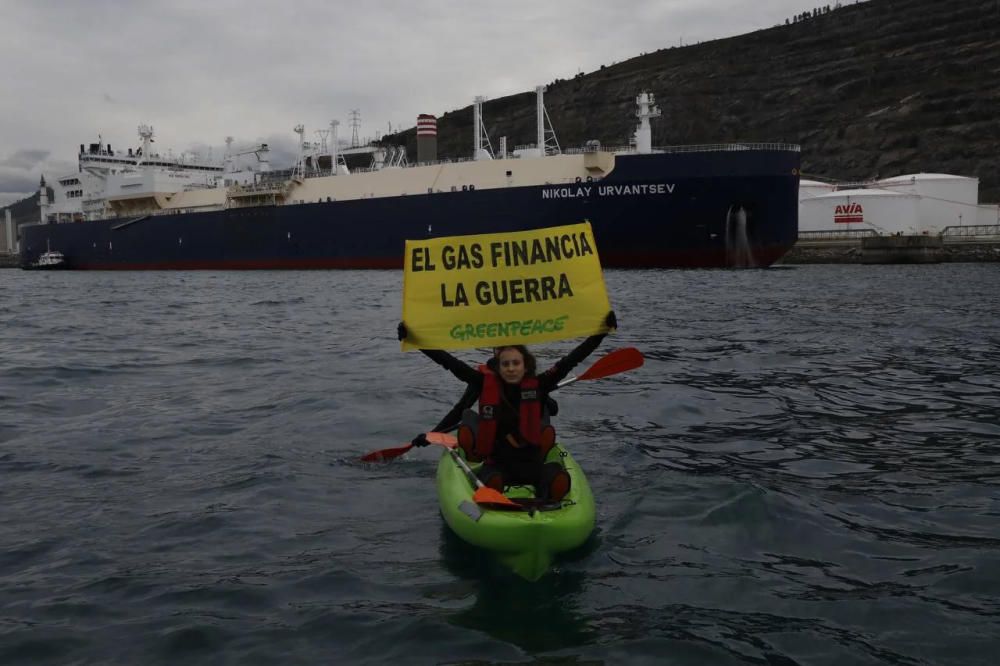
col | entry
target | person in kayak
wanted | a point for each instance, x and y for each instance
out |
(511, 437)
(453, 419)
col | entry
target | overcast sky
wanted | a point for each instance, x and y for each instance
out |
(199, 71)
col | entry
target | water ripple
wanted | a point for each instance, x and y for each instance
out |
(804, 471)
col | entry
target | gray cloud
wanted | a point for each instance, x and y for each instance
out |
(199, 72)
(17, 182)
(21, 172)
(25, 159)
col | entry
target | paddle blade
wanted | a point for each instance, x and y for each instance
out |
(489, 497)
(386, 455)
(442, 439)
(620, 360)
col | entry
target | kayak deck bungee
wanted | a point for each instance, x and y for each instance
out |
(524, 540)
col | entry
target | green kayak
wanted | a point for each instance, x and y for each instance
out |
(524, 540)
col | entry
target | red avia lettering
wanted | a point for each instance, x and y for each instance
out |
(848, 213)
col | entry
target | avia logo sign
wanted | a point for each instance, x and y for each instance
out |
(848, 213)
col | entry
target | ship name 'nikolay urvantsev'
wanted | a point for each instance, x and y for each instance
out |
(607, 190)
(684, 206)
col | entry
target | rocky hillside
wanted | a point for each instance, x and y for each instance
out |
(873, 89)
(25, 210)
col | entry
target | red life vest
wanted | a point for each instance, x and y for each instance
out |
(531, 431)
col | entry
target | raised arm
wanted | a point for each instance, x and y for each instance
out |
(460, 369)
(457, 367)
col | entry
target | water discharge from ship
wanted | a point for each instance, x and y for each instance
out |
(738, 252)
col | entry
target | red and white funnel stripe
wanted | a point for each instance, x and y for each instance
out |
(427, 125)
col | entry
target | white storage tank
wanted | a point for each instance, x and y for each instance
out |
(988, 214)
(814, 188)
(945, 200)
(809, 189)
(883, 211)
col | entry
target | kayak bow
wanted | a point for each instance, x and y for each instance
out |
(524, 540)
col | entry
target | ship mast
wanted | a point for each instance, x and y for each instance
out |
(228, 160)
(146, 134)
(643, 133)
(333, 146)
(546, 140)
(479, 133)
(300, 167)
(43, 199)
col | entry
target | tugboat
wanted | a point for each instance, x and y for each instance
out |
(50, 260)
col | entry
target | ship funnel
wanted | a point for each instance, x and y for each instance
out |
(426, 138)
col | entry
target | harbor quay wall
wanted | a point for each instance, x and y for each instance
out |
(9, 260)
(892, 249)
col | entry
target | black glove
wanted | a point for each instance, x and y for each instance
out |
(551, 406)
(610, 320)
(420, 440)
(401, 331)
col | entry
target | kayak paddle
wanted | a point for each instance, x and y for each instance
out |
(616, 362)
(613, 363)
(439, 438)
(484, 494)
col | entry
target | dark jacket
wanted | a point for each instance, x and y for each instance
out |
(507, 419)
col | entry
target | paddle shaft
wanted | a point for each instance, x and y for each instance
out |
(460, 461)
(566, 382)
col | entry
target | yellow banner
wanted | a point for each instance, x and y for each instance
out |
(498, 289)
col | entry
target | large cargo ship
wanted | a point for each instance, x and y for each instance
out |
(688, 206)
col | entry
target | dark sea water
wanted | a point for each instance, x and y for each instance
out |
(806, 471)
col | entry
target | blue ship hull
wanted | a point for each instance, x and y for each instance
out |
(687, 209)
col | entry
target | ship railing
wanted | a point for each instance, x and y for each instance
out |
(583, 150)
(729, 147)
(257, 188)
(694, 148)
(447, 160)
(407, 165)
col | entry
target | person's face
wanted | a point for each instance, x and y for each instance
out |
(511, 364)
